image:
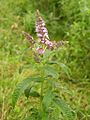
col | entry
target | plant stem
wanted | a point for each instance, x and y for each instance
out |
(41, 98)
(41, 90)
(41, 95)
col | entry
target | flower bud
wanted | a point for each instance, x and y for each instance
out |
(40, 51)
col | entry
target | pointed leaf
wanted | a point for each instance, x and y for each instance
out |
(47, 99)
(65, 69)
(50, 71)
(65, 109)
(21, 87)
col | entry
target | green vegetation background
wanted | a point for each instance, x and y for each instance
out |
(66, 20)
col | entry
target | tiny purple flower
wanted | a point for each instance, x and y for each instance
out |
(44, 30)
(40, 51)
(40, 28)
(39, 35)
(28, 37)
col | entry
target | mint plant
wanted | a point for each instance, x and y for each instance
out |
(45, 61)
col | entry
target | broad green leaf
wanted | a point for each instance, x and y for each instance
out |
(50, 71)
(21, 87)
(65, 69)
(47, 99)
(65, 109)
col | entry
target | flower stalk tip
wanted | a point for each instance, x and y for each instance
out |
(28, 37)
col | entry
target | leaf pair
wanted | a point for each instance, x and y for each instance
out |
(22, 86)
(49, 99)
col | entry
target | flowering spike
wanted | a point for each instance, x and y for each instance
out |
(61, 43)
(41, 30)
(28, 37)
(43, 37)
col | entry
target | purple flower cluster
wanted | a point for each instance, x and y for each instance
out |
(40, 51)
(42, 32)
(29, 37)
(43, 37)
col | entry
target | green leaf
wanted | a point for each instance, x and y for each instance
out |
(34, 94)
(27, 91)
(46, 102)
(67, 111)
(22, 86)
(65, 69)
(47, 99)
(50, 71)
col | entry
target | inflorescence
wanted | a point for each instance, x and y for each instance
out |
(43, 38)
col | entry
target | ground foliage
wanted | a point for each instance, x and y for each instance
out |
(66, 20)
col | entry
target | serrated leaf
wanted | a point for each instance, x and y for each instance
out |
(67, 111)
(21, 87)
(65, 69)
(47, 99)
(50, 71)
